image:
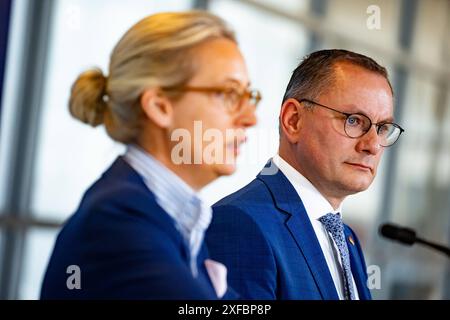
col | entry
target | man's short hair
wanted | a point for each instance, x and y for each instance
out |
(316, 72)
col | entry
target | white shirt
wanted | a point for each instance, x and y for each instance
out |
(317, 206)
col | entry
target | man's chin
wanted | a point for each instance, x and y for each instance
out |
(359, 186)
(355, 185)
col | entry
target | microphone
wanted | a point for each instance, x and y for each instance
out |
(408, 236)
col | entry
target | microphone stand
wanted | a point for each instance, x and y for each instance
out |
(408, 236)
(436, 246)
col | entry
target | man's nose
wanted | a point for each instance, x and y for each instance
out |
(369, 142)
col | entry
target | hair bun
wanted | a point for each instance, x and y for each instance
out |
(88, 101)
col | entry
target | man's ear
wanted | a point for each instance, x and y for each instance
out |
(157, 107)
(290, 120)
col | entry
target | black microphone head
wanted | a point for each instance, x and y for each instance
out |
(403, 235)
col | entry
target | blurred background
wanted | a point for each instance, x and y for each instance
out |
(47, 159)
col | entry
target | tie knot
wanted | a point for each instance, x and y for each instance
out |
(332, 222)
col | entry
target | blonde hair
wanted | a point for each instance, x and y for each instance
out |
(154, 52)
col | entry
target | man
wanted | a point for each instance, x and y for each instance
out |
(281, 236)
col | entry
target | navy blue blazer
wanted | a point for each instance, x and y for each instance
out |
(264, 237)
(126, 246)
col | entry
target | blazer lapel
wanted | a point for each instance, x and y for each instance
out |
(358, 269)
(287, 200)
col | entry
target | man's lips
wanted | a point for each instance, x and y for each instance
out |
(360, 166)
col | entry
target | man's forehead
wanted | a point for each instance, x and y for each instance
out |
(347, 71)
(357, 90)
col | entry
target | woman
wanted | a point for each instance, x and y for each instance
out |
(176, 80)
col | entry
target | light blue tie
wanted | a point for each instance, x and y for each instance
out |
(334, 225)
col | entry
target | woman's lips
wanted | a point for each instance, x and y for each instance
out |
(235, 145)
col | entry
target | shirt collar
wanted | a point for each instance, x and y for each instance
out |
(315, 203)
(174, 195)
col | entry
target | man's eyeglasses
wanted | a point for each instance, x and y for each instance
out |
(356, 125)
(234, 99)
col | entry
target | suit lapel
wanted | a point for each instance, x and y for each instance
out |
(358, 269)
(121, 172)
(299, 226)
